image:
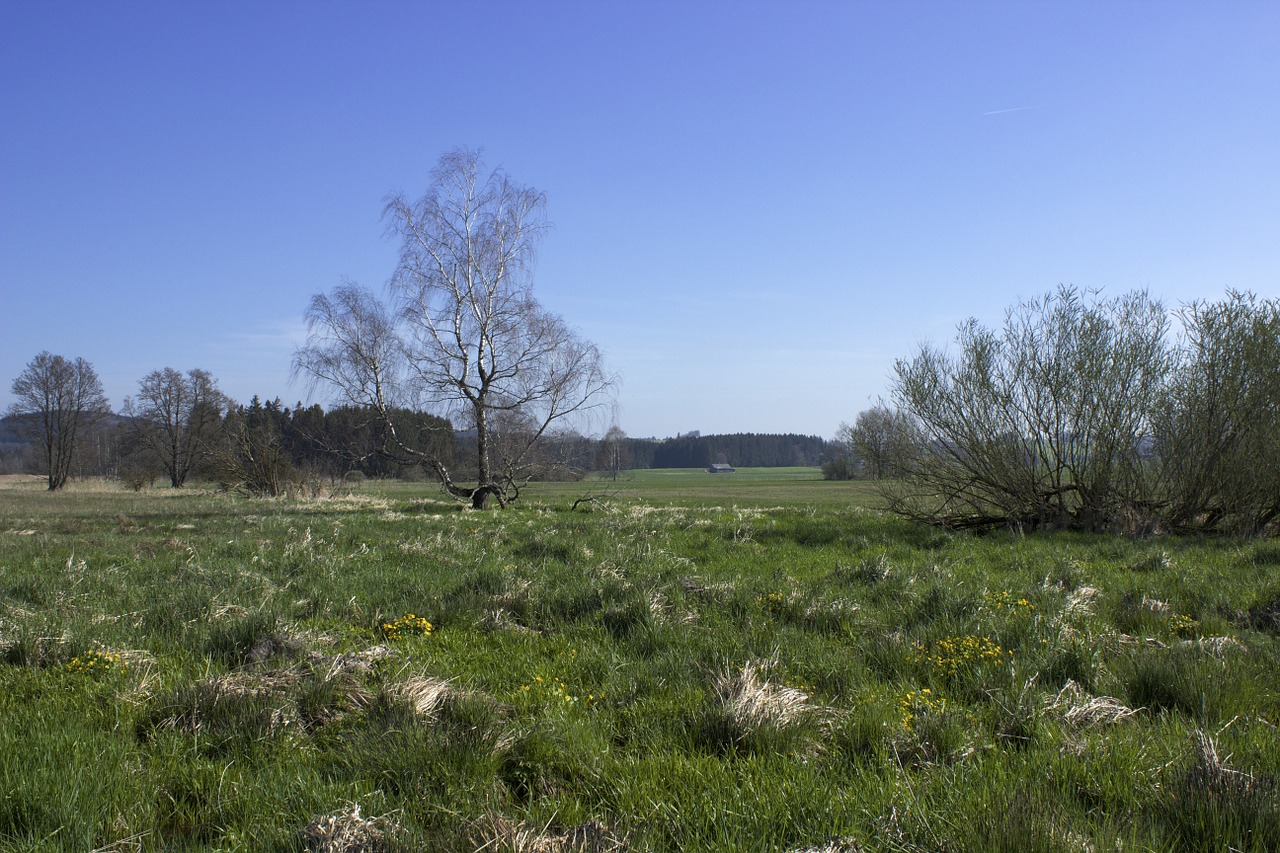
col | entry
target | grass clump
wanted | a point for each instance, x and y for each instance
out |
(347, 831)
(748, 712)
(1213, 806)
(498, 833)
(1077, 708)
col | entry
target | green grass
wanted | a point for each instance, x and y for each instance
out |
(695, 486)
(758, 661)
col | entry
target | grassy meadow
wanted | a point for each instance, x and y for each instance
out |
(761, 661)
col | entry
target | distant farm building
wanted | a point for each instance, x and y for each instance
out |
(720, 468)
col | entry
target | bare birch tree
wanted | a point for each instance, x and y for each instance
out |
(464, 336)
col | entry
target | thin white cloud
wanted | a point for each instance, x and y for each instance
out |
(1012, 110)
(282, 335)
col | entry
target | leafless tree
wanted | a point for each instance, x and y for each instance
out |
(61, 400)
(883, 439)
(174, 418)
(615, 453)
(464, 336)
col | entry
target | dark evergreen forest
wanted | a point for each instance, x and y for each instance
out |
(346, 440)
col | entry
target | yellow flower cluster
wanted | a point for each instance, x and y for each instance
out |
(409, 625)
(1183, 626)
(916, 702)
(772, 602)
(558, 692)
(96, 660)
(950, 655)
(796, 684)
(1000, 599)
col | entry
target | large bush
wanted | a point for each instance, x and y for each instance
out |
(1089, 414)
(1217, 430)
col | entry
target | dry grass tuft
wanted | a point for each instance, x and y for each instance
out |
(347, 832)
(1218, 647)
(1080, 602)
(499, 834)
(132, 844)
(354, 663)
(750, 704)
(423, 694)
(1265, 616)
(1078, 708)
(832, 845)
(1210, 771)
(499, 619)
(277, 644)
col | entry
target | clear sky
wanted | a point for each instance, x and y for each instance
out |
(757, 206)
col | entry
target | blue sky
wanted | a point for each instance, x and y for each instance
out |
(757, 206)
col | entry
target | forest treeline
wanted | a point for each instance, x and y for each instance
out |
(283, 444)
(273, 445)
(742, 450)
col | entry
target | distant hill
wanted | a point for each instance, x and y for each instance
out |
(13, 429)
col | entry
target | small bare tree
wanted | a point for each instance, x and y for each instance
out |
(614, 456)
(884, 439)
(464, 337)
(59, 400)
(174, 418)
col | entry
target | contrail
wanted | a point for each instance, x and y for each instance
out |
(1011, 110)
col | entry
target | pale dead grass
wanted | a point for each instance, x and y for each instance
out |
(497, 833)
(347, 831)
(1218, 647)
(1080, 602)
(22, 482)
(425, 695)
(1211, 771)
(832, 845)
(750, 703)
(343, 502)
(1078, 708)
